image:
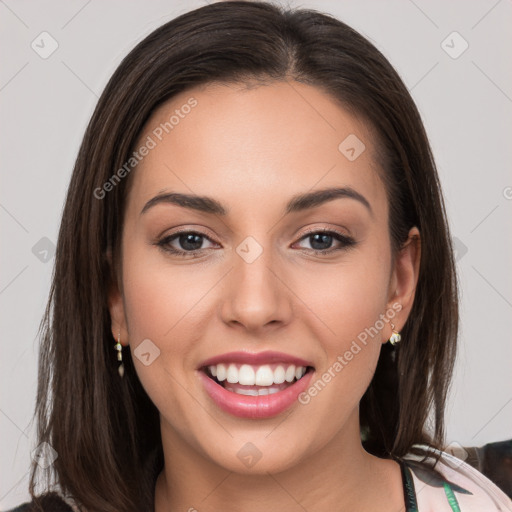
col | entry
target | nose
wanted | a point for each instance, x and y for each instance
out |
(255, 294)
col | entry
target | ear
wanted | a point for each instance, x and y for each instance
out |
(116, 306)
(403, 282)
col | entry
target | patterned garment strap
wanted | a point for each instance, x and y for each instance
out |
(411, 505)
(452, 500)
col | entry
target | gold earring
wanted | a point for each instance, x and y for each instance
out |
(395, 337)
(119, 349)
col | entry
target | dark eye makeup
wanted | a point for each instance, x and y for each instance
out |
(191, 242)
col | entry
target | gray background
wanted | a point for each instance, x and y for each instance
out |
(466, 104)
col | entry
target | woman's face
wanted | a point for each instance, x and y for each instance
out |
(254, 287)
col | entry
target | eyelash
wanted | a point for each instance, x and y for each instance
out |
(346, 242)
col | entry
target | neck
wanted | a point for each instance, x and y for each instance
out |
(338, 476)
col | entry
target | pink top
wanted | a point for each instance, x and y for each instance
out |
(483, 495)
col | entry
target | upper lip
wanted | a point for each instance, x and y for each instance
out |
(258, 358)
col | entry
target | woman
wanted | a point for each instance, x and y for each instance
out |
(254, 304)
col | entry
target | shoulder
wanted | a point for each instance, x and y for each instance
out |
(453, 483)
(50, 502)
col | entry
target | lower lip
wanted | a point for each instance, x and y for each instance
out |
(254, 407)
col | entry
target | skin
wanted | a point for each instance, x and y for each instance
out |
(252, 149)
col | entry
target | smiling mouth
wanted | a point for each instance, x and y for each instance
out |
(256, 380)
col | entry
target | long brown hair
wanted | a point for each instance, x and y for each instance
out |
(103, 428)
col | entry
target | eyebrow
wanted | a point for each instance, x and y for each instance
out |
(297, 203)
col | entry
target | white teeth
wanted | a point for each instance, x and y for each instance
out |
(299, 372)
(232, 374)
(254, 392)
(221, 372)
(249, 375)
(290, 373)
(247, 392)
(279, 375)
(264, 376)
(246, 375)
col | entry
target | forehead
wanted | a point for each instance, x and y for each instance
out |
(241, 144)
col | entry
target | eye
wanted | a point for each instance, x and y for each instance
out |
(321, 241)
(189, 243)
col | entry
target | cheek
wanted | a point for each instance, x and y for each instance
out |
(352, 347)
(350, 296)
(160, 299)
(162, 305)
(350, 299)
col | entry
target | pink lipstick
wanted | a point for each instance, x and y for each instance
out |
(255, 386)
